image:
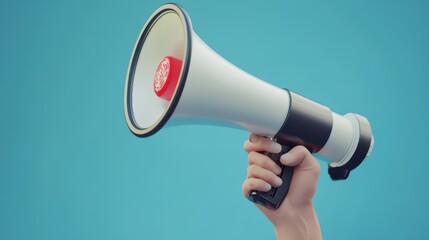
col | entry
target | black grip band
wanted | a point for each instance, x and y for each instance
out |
(308, 123)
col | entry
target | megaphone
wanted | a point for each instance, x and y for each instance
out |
(175, 78)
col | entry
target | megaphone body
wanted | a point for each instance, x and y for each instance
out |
(207, 89)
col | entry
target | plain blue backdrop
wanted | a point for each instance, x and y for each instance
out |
(70, 168)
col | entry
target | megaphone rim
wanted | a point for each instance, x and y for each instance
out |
(132, 125)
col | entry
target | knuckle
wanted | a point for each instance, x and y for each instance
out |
(252, 184)
(251, 157)
(251, 169)
(246, 145)
(244, 187)
(256, 159)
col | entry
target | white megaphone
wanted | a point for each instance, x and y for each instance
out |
(175, 78)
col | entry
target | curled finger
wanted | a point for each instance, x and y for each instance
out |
(259, 144)
(254, 184)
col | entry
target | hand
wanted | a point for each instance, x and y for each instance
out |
(295, 218)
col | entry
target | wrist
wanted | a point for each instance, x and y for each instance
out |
(298, 223)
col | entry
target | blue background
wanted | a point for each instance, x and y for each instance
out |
(70, 168)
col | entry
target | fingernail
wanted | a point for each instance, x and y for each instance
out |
(277, 182)
(285, 158)
(253, 138)
(276, 147)
(277, 170)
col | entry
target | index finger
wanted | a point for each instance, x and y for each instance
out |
(259, 143)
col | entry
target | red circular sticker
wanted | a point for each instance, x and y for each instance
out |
(161, 75)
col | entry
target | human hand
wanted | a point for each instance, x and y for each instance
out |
(295, 218)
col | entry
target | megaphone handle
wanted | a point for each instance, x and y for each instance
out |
(273, 198)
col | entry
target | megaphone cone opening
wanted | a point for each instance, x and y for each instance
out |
(168, 32)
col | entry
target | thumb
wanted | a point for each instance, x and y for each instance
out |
(298, 157)
(306, 173)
